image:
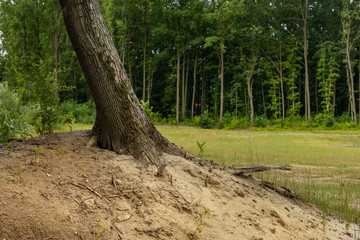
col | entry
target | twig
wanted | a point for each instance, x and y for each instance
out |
(181, 195)
(113, 181)
(118, 231)
(44, 195)
(92, 190)
(89, 188)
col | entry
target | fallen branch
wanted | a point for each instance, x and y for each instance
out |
(239, 171)
(281, 190)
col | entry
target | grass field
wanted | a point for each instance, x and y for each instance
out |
(325, 166)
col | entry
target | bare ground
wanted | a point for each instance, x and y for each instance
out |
(79, 192)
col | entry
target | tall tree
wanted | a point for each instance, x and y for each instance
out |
(121, 123)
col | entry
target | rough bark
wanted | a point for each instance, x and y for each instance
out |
(121, 123)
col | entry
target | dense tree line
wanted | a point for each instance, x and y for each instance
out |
(244, 58)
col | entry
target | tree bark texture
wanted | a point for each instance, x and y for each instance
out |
(121, 123)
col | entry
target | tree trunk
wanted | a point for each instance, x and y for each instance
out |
(194, 86)
(281, 81)
(121, 123)
(56, 53)
(304, 13)
(263, 96)
(249, 88)
(221, 80)
(183, 88)
(186, 85)
(144, 59)
(178, 87)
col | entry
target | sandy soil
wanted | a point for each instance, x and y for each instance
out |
(81, 192)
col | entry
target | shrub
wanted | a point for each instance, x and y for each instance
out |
(12, 123)
(205, 120)
(260, 121)
(47, 116)
(83, 113)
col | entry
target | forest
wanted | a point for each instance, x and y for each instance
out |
(213, 63)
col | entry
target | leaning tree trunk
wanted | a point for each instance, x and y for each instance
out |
(121, 123)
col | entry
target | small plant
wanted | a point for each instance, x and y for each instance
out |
(37, 154)
(201, 147)
(98, 228)
(20, 169)
(71, 123)
(200, 223)
(11, 179)
(9, 145)
(347, 226)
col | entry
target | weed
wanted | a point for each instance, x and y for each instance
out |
(71, 123)
(347, 226)
(201, 147)
(9, 145)
(20, 169)
(99, 226)
(37, 155)
(11, 179)
(199, 222)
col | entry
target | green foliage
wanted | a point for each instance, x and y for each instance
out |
(200, 222)
(20, 169)
(205, 120)
(201, 147)
(260, 121)
(155, 117)
(72, 112)
(12, 123)
(47, 117)
(36, 155)
(9, 145)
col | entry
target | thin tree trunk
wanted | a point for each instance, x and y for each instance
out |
(121, 123)
(56, 52)
(316, 95)
(75, 82)
(306, 47)
(202, 95)
(350, 72)
(249, 88)
(186, 85)
(149, 84)
(334, 99)
(194, 85)
(178, 87)
(221, 80)
(263, 96)
(281, 81)
(183, 88)
(144, 53)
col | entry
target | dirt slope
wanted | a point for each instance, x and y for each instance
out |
(78, 192)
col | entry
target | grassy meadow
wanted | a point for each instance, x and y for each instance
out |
(325, 166)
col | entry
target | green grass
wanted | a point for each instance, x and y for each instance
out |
(325, 166)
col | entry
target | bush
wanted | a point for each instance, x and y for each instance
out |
(260, 121)
(47, 116)
(82, 113)
(205, 120)
(12, 123)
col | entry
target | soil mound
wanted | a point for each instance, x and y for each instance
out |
(57, 187)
